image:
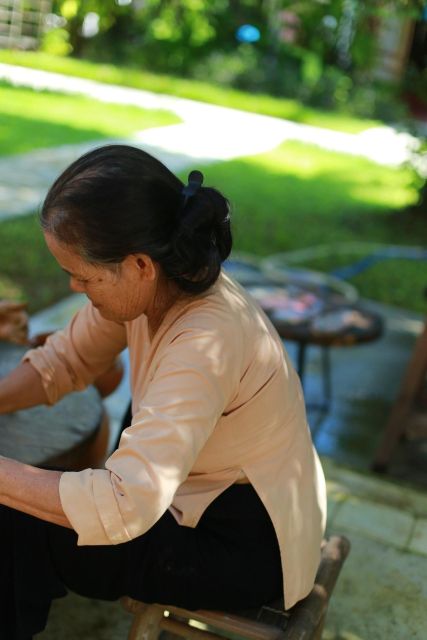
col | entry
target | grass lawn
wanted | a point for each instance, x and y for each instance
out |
(193, 89)
(33, 119)
(28, 271)
(300, 196)
(296, 196)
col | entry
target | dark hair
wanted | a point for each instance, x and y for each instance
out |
(118, 200)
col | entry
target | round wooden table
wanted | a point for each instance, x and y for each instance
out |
(72, 434)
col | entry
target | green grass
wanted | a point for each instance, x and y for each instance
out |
(296, 196)
(196, 90)
(33, 119)
(300, 196)
(28, 271)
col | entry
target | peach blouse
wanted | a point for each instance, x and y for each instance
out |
(215, 399)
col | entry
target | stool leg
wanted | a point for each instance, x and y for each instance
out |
(319, 628)
(146, 623)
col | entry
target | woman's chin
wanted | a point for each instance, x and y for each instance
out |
(113, 314)
(109, 314)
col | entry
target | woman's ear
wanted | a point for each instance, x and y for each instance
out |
(146, 266)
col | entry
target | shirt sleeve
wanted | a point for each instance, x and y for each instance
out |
(190, 389)
(72, 358)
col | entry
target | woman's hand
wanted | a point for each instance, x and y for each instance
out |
(13, 322)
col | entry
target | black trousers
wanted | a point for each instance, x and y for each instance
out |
(231, 560)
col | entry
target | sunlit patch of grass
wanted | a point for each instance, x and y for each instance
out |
(301, 196)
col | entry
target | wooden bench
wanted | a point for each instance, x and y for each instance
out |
(304, 621)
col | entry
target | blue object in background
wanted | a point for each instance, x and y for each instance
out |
(248, 33)
(390, 252)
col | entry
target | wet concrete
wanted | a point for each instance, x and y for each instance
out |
(365, 380)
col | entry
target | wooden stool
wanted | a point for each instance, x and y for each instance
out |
(271, 622)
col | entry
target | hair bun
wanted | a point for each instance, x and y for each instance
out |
(195, 181)
(202, 240)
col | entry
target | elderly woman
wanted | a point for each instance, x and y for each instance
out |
(215, 497)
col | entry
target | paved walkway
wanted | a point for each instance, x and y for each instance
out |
(207, 133)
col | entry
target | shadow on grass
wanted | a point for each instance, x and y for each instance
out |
(19, 134)
(30, 119)
(28, 271)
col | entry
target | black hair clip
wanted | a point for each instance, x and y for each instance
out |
(195, 181)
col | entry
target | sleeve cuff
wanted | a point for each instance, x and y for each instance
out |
(76, 490)
(47, 373)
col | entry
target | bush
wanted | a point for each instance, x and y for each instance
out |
(241, 68)
(378, 100)
(56, 42)
(302, 76)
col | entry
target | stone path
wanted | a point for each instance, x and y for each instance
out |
(25, 179)
(207, 133)
(382, 589)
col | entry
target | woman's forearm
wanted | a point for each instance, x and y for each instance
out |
(31, 490)
(21, 389)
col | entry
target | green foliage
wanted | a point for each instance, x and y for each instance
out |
(32, 119)
(321, 53)
(73, 13)
(415, 82)
(56, 42)
(163, 35)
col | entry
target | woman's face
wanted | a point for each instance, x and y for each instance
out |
(120, 295)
